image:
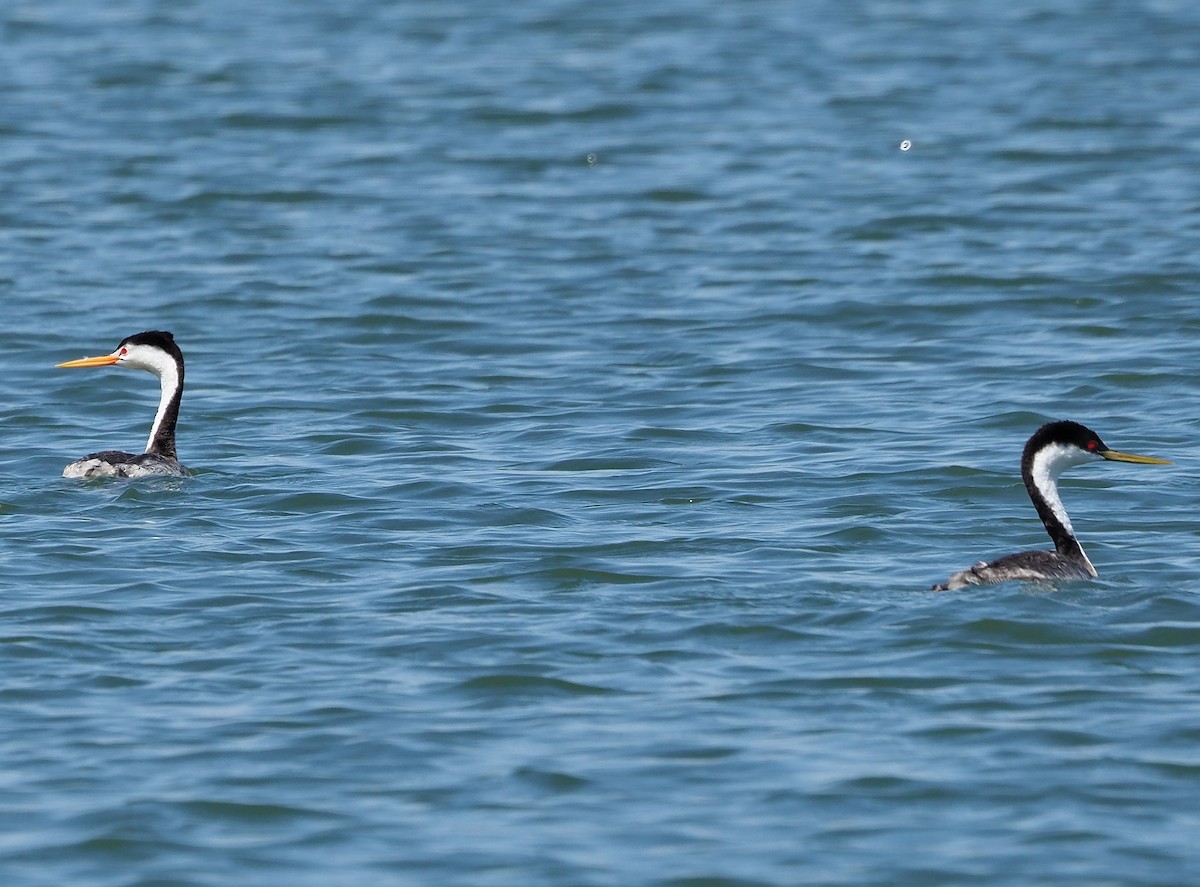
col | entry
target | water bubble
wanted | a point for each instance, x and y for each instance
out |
(591, 159)
(905, 145)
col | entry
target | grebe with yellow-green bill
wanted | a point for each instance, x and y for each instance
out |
(1052, 449)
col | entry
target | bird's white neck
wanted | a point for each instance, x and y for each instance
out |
(170, 380)
(1048, 463)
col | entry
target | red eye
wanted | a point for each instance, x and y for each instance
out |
(125, 351)
(1092, 444)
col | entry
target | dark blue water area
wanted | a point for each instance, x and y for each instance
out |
(582, 399)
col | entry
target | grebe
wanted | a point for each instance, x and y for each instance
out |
(154, 351)
(1053, 448)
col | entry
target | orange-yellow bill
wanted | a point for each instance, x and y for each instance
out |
(106, 360)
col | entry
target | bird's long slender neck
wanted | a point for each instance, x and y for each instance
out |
(162, 432)
(1040, 472)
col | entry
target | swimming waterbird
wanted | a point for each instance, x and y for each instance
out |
(1053, 448)
(156, 352)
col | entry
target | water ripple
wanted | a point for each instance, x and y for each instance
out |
(582, 399)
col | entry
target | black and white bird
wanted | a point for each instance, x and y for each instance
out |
(156, 352)
(1053, 448)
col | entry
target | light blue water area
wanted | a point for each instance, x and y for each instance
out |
(582, 399)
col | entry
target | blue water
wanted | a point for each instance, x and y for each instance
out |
(582, 399)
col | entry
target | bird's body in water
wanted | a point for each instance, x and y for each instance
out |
(1052, 449)
(156, 352)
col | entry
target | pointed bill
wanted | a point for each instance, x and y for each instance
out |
(106, 360)
(1117, 456)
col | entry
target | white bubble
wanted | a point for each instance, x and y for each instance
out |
(905, 145)
(591, 159)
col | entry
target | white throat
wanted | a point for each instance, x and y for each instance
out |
(1048, 464)
(162, 365)
(169, 379)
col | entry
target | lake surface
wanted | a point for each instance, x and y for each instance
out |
(582, 399)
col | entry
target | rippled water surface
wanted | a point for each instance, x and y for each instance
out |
(582, 399)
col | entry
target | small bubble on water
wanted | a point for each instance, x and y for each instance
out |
(591, 159)
(905, 145)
